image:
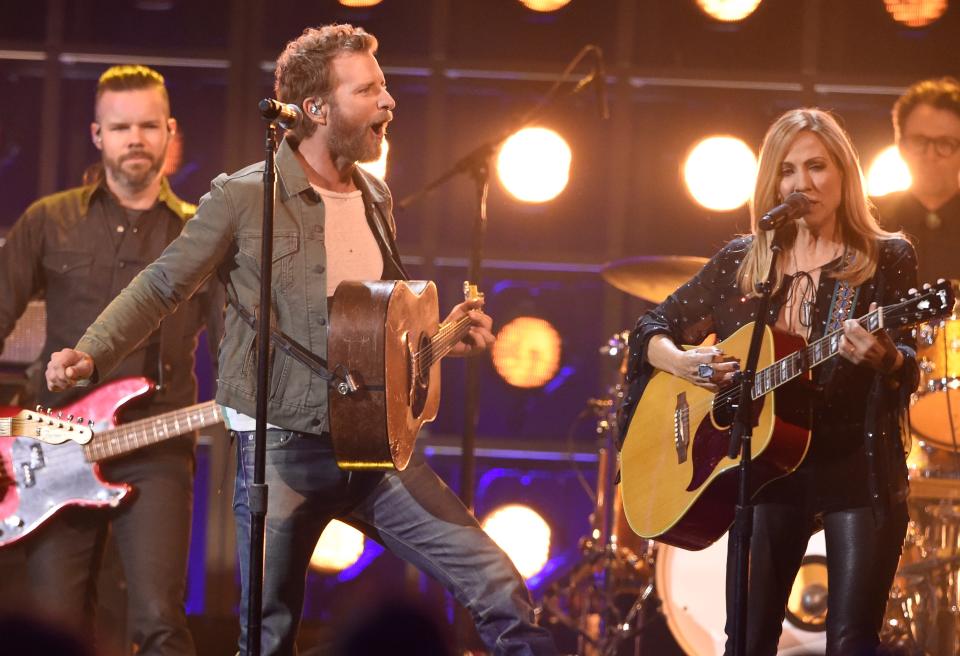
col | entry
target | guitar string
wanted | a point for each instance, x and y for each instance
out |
(53, 457)
(446, 337)
(731, 394)
(130, 431)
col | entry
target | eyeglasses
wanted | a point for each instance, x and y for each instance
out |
(942, 146)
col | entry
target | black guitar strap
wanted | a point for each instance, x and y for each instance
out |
(339, 379)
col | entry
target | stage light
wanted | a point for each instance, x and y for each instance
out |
(339, 547)
(888, 173)
(360, 3)
(527, 352)
(379, 167)
(522, 534)
(720, 173)
(915, 13)
(728, 11)
(544, 5)
(534, 165)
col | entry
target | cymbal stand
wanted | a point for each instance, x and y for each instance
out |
(585, 599)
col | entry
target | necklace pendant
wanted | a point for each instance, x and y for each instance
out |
(806, 313)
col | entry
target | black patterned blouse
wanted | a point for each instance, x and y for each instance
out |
(843, 468)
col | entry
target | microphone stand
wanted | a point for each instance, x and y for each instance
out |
(476, 164)
(741, 442)
(257, 492)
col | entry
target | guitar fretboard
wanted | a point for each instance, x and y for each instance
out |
(442, 343)
(144, 432)
(786, 369)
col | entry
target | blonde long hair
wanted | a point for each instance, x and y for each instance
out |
(858, 229)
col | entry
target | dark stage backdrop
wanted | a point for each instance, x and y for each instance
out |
(462, 71)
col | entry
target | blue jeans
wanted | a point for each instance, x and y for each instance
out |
(412, 513)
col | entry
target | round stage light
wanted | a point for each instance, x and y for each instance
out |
(915, 13)
(720, 173)
(522, 534)
(728, 11)
(544, 5)
(360, 3)
(379, 167)
(527, 352)
(534, 165)
(340, 546)
(887, 173)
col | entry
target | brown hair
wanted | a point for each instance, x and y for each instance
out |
(303, 68)
(858, 229)
(942, 93)
(131, 77)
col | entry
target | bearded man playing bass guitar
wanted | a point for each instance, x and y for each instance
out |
(80, 247)
(837, 265)
(333, 223)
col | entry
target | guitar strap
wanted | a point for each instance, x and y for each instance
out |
(843, 302)
(841, 306)
(339, 379)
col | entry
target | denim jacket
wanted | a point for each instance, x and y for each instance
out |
(224, 237)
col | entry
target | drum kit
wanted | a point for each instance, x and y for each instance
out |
(622, 581)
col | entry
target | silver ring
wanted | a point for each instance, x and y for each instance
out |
(705, 371)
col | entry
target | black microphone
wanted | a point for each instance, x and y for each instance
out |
(286, 115)
(600, 85)
(793, 207)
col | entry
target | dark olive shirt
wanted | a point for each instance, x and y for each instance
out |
(835, 472)
(935, 235)
(78, 249)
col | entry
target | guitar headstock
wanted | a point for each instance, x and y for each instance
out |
(471, 292)
(931, 302)
(45, 427)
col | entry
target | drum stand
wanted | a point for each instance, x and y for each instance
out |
(606, 596)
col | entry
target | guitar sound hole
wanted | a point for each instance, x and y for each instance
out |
(723, 410)
(421, 379)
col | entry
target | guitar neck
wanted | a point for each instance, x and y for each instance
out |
(796, 364)
(152, 430)
(443, 342)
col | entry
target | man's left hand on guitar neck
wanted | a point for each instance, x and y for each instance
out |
(480, 336)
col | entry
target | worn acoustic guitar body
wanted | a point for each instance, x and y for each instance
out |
(383, 332)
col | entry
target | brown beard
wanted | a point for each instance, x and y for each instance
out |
(351, 141)
(134, 181)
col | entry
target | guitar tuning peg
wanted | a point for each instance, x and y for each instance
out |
(912, 291)
(926, 286)
(59, 415)
(79, 420)
(49, 410)
(89, 422)
(39, 408)
(70, 417)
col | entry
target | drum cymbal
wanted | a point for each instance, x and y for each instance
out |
(651, 277)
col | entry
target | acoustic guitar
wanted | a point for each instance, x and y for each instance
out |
(387, 333)
(679, 486)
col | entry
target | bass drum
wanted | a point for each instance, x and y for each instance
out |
(691, 585)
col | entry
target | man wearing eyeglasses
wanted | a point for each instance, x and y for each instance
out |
(926, 122)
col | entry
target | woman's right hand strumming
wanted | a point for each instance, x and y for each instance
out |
(704, 366)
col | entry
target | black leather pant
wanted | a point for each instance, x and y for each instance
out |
(861, 562)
